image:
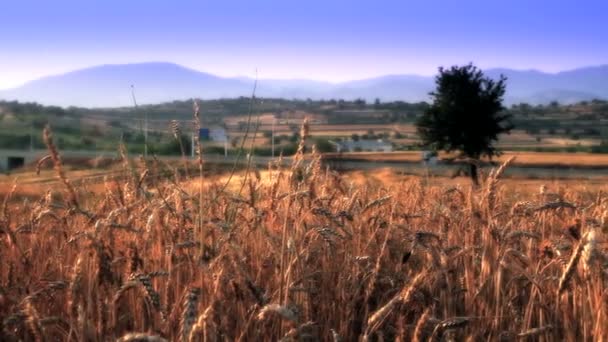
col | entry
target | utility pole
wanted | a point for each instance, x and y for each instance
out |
(273, 120)
(146, 134)
(31, 137)
(192, 146)
(145, 122)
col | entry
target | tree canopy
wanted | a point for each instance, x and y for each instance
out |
(466, 115)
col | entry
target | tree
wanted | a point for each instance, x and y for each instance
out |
(360, 103)
(466, 115)
(324, 146)
(234, 142)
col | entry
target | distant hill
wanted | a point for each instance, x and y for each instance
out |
(109, 86)
(572, 86)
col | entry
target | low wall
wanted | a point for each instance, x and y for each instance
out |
(28, 157)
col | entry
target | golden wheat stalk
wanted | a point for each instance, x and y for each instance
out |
(47, 136)
(571, 267)
(140, 337)
(404, 296)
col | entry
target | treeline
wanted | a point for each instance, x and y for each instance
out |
(586, 110)
(215, 110)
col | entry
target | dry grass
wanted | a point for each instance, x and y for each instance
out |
(565, 159)
(523, 158)
(409, 156)
(303, 254)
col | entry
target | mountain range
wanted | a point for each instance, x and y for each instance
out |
(110, 86)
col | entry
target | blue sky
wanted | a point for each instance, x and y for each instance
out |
(322, 40)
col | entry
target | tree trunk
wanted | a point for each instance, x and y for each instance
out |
(473, 173)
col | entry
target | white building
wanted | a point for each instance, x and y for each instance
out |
(218, 135)
(429, 157)
(378, 145)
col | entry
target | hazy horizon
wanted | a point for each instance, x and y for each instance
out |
(324, 41)
(287, 78)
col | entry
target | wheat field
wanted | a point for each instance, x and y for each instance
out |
(301, 254)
